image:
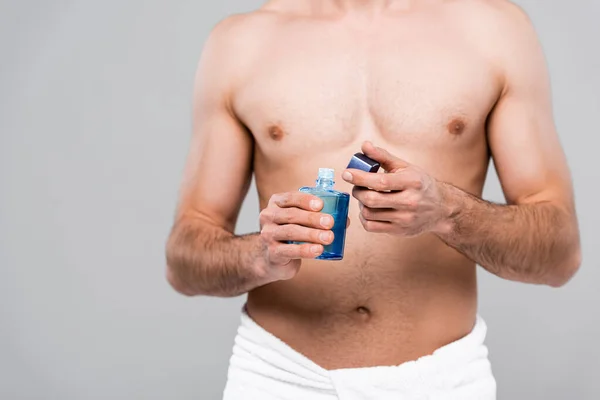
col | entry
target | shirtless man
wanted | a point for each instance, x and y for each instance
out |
(430, 88)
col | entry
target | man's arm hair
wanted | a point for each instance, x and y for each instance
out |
(203, 254)
(535, 237)
(533, 243)
(205, 259)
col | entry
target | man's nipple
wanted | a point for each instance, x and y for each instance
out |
(276, 133)
(456, 126)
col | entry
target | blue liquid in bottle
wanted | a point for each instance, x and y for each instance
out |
(336, 204)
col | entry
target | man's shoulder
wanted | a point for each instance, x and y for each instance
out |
(242, 28)
(496, 27)
(498, 13)
(498, 7)
(239, 40)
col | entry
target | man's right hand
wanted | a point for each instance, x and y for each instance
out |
(292, 217)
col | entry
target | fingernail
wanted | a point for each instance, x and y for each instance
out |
(324, 236)
(325, 221)
(347, 176)
(315, 249)
(315, 204)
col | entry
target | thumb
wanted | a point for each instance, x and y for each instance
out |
(389, 162)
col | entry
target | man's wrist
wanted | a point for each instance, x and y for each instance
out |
(261, 274)
(450, 207)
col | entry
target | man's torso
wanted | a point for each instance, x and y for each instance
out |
(312, 87)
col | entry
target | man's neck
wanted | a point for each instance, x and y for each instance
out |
(367, 5)
(339, 7)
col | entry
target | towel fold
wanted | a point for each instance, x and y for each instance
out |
(264, 367)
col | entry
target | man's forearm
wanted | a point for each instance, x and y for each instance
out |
(535, 243)
(207, 260)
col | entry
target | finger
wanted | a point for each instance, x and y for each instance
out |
(347, 222)
(400, 180)
(374, 199)
(388, 161)
(408, 200)
(375, 226)
(379, 214)
(296, 251)
(301, 200)
(297, 233)
(297, 216)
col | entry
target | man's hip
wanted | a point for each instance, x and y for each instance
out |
(264, 367)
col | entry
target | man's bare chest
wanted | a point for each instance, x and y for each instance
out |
(332, 90)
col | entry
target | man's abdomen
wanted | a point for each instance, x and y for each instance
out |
(389, 301)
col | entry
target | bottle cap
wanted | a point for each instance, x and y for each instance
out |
(326, 173)
(364, 163)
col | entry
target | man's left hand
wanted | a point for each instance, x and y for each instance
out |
(404, 201)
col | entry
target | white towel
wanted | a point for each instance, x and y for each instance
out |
(263, 367)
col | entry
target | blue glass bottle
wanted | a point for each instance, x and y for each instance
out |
(336, 204)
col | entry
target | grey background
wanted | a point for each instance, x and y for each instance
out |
(94, 121)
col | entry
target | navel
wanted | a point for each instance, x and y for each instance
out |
(456, 126)
(363, 310)
(362, 314)
(275, 132)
